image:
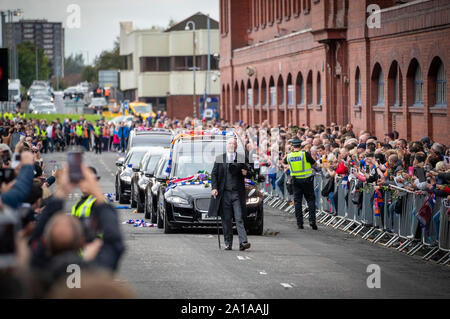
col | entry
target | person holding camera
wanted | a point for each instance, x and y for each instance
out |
(59, 240)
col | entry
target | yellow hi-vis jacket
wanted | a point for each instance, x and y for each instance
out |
(300, 167)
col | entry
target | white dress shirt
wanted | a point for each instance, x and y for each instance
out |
(231, 157)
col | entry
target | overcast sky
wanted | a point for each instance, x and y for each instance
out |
(100, 18)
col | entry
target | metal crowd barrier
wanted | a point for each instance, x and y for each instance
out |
(389, 228)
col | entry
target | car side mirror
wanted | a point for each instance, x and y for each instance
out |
(150, 173)
(135, 169)
(162, 178)
(120, 162)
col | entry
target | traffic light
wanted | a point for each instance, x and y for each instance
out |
(3, 74)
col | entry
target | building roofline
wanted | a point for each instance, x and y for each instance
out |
(187, 19)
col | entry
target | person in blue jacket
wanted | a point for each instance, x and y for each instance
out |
(124, 133)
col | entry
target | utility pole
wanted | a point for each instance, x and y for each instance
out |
(37, 65)
(194, 66)
(208, 78)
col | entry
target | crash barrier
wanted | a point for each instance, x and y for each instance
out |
(386, 216)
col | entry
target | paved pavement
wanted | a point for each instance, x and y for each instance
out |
(293, 264)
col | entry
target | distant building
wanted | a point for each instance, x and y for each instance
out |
(47, 35)
(156, 65)
(323, 61)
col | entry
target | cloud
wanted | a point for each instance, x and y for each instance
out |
(100, 18)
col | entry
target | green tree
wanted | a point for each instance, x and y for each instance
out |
(73, 64)
(107, 60)
(89, 74)
(27, 63)
(172, 22)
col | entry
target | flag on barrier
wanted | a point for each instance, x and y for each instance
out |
(424, 213)
(377, 202)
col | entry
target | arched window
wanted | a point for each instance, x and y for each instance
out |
(300, 87)
(396, 94)
(358, 87)
(290, 90)
(309, 83)
(441, 83)
(272, 93)
(319, 90)
(256, 93)
(418, 87)
(380, 100)
(280, 91)
(249, 94)
(263, 92)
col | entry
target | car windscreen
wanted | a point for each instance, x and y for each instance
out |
(151, 140)
(151, 164)
(142, 109)
(161, 169)
(135, 158)
(193, 157)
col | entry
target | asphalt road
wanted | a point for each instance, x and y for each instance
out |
(326, 263)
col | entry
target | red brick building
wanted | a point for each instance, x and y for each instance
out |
(317, 62)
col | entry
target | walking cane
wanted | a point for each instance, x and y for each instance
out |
(218, 230)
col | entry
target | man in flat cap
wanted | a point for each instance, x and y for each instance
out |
(301, 166)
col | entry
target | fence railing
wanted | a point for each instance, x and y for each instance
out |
(391, 221)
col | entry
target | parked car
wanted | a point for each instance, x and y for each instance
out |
(44, 108)
(153, 187)
(14, 94)
(154, 137)
(125, 173)
(98, 104)
(142, 109)
(127, 119)
(141, 176)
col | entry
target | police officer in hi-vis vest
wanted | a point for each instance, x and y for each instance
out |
(301, 167)
(84, 207)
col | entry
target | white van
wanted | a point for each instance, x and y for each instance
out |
(14, 94)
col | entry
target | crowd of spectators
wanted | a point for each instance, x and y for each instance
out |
(38, 241)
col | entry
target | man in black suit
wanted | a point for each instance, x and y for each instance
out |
(228, 193)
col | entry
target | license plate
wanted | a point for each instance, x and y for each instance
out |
(206, 217)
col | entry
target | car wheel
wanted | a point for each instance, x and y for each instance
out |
(159, 221)
(167, 228)
(146, 212)
(133, 202)
(152, 211)
(259, 229)
(117, 193)
(140, 206)
(122, 200)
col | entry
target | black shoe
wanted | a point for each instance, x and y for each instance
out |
(300, 227)
(313, 226)
(227, 248)
(244, 246)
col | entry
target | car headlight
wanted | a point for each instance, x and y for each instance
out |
(177, 200)
(126, 178)
(253, 201)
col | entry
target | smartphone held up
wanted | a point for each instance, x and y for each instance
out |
(74, 160)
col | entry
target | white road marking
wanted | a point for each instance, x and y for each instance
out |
(263, 272)
(285, 285)
(244, 258)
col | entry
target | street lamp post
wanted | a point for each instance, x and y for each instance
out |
(194, 64)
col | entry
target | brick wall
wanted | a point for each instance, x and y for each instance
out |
(411, 35)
